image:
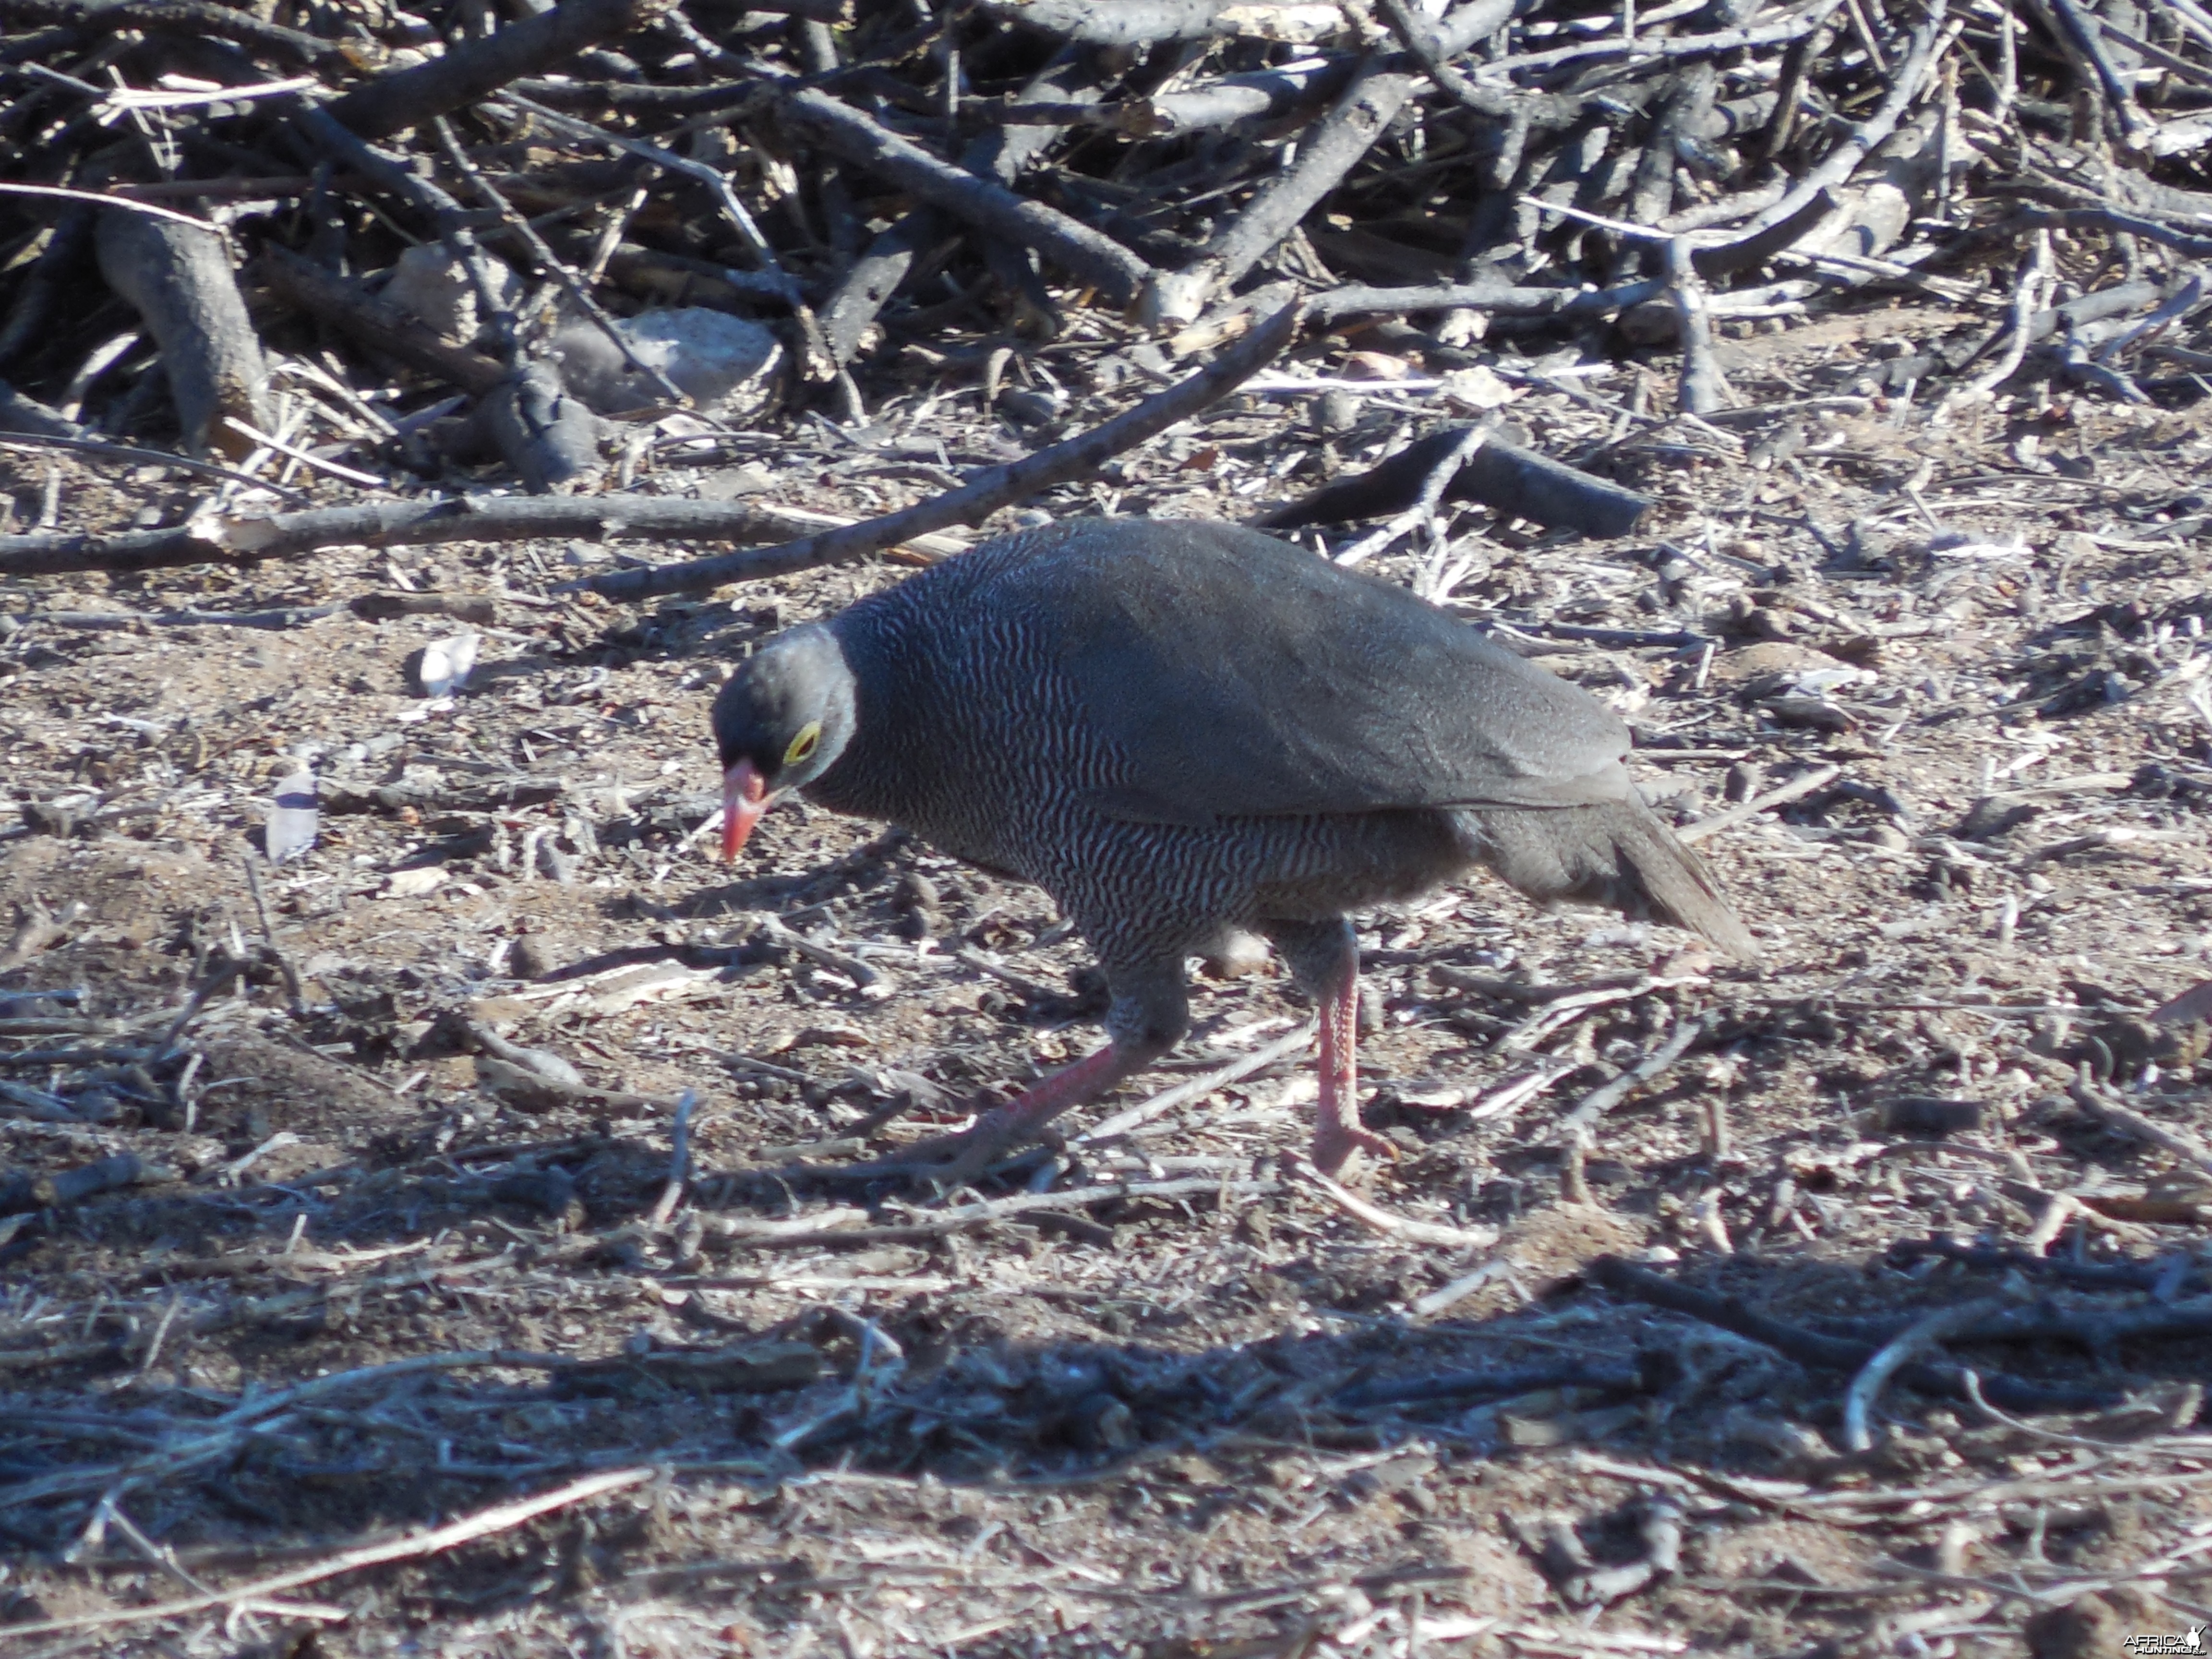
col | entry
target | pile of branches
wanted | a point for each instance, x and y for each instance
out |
(395, 247)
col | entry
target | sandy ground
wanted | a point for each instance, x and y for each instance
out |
(367, 1276)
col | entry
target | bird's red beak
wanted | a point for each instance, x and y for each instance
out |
(744, 798)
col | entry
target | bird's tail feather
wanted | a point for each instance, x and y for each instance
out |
(1618, 855)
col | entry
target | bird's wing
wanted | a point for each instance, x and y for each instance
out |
(1238, 676)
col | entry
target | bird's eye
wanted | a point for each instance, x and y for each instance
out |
(803, 744)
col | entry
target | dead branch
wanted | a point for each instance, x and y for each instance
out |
(29, 415)
(1360, 115)
(86, 21)
(181, 281)
(1197, 1088)
(1511, 300)
(733, 210)
(401, 98)
(1407, 1228)
(549, 437)
(246, 539)
(1513, 482)
(1894, 1356)
(374, 322)
(1135, 22)
(983, 495)
(1098, 259)
(1459, 1385)
(1840, 163)
(1704, 389)
(1796, 789)
(1833, 1354)
(1421, 513)
(2079, 38)
(2098, 1330)
(2125, 1120)
(1082, 1198)
(37, 927)
(2170, 1273)
(485, 1524)
(97, 450)
(23, 1193)
(1599, 1101)
(1259, 95)
(922, 1225)
(998, 157)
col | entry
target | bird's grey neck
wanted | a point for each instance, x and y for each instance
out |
(874, 776)
(912, 651)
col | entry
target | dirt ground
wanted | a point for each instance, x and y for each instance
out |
(310, 1277)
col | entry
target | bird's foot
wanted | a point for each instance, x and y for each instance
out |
(968, 1155)
(944, 1164)
(948, 1163)
(1337, 1145)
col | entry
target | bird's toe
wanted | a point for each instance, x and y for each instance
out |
(971, 1155)
(1337, 1147)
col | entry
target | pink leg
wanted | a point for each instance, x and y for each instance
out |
(1148, 1018)
(1337, 1131)
(1021, 1118)
(1014, 1125)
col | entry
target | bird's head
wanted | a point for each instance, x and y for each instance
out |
(781, 722)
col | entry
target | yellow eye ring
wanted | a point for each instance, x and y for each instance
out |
(803, 743)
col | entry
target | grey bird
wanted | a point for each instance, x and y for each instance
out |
(1180, 730)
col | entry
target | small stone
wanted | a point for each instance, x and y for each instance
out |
(530, 959)
(2090, 1628)
(1924, 1115)
(1335, 411)
(1100, 1422)
(1993, 816)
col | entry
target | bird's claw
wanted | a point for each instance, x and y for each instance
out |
(945, 1163)
(962, 1167)
(1335, 1146)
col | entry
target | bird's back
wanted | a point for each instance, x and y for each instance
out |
(1187, 673)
